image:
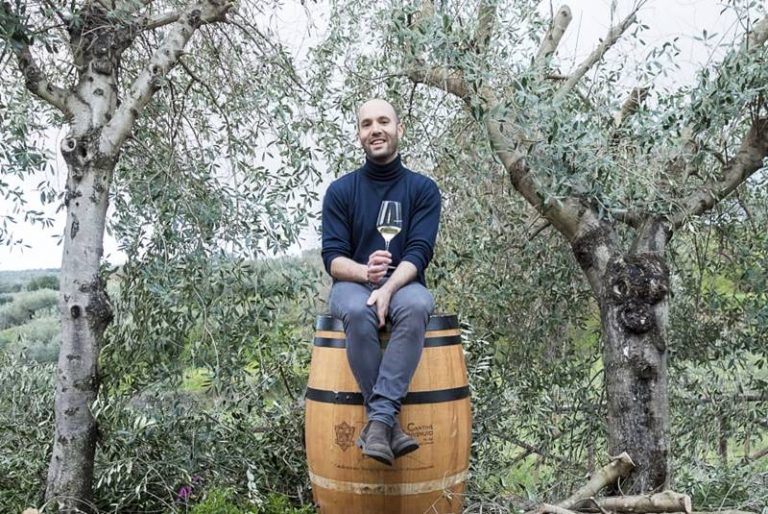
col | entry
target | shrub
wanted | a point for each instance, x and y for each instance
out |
(740, 487)
(26, 418)
(220, 501)
(157, 452)
(10, 288)
(44, 282)
(37, 351)
(25, 306)
(37, 340)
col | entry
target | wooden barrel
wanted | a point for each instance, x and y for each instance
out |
(436, 412)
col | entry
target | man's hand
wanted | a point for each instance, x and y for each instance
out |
(378, 263)
(380, 297)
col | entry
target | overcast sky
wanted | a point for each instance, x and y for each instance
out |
(666, 19)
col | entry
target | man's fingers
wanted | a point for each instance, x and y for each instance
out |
(378, 261)
(382, 315)
(379, 257)
(376, 274)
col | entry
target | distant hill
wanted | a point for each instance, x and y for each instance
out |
(14, 281)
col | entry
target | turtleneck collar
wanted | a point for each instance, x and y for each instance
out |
(383, 172)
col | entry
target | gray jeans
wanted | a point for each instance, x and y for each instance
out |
(383, 377)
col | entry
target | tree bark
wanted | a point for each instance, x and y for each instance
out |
(631, 289)
(85, 314)
(634, 313)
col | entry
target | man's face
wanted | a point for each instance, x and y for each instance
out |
(379, 131)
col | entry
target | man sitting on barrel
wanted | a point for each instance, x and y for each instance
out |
(381, 204)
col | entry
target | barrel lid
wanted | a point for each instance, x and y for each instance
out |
(437, 321)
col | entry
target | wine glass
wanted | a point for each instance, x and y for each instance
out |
(390, 221)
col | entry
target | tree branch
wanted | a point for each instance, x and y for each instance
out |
(59, 14)
(608, 474)
(563, 215)
(610, 39)
(546, 508)
(538, 451)
(749, 159)
(680, 163)
(666, 501)
(757, 455)
(534, 449)
(449, 80)
(507, 140)
(159, 20)
(150, 79)
(34, 79)
(758, 35)
(630, 105)
(486, 19)
(200, 81)
(552, 38)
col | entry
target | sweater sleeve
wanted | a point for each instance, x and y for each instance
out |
(337, 236)
(422, 230)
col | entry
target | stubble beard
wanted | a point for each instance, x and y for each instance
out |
(388, 152)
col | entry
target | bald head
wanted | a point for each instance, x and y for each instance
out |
(376, 107)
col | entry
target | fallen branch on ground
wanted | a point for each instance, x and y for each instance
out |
(666, 501)
(607, 475)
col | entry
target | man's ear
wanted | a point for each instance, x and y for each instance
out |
(400, 129)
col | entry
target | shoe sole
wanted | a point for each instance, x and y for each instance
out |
(405, 450)
(382, 457)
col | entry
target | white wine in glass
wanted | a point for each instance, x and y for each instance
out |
(390, 221)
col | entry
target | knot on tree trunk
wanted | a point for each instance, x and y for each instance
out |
(585, 247)
(635, 284)
(194, 18)
(82, 153)
(75, 153)
(100, 39)
(99, 307)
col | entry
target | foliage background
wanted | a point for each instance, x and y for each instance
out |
(207, 359)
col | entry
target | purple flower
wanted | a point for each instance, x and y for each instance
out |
(183, 493)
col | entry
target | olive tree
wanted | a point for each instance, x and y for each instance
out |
(169, 108)
(616, 170)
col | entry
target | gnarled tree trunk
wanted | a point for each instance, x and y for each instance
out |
(97, 44)
(98, 127)
(634, 313)
(631, 290)
(85, 314)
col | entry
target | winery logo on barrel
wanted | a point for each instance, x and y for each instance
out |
(425, 434)
(345, 435)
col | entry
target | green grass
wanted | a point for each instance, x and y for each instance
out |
(196, 380)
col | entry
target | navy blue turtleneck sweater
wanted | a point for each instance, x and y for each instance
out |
(351, 206)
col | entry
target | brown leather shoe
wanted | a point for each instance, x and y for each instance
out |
(402, 443)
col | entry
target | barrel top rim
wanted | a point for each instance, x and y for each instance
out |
(327, 315)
